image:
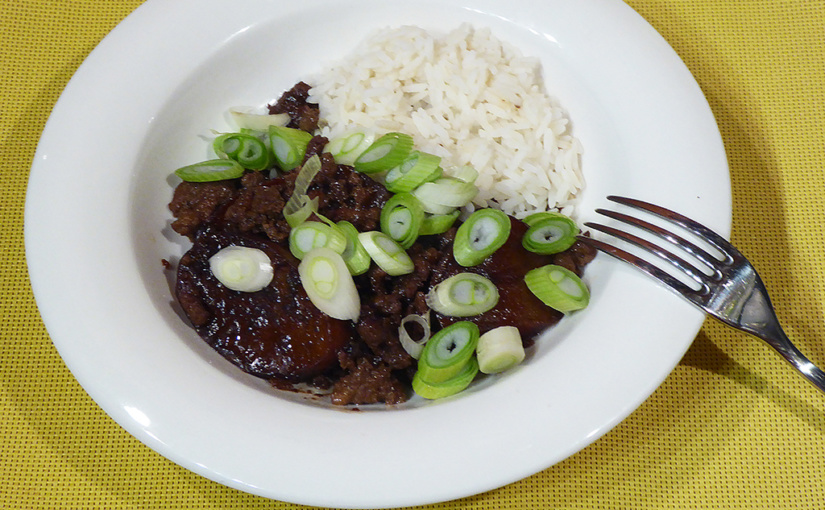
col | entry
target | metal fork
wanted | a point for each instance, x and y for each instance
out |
(732, 292)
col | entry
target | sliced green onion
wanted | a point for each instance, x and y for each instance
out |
(289, 146)
(433, 208)
(419, 167)
(446, 192)
(212, 170)
(246, 149)
(314, 234)
(295, 210)
(465, 173)
(484, 232)
(385, 153)
(550, 233)
(246, 118)
(558, 287)
(463, 295)
(414, 348)
(449, 387)
(437, 223)
(355, 256)
(346, 149)
(305, 210)
(388, 254)
(446, 353)
(241, 268)
(401, 219)
(329, 285)
(499, 349)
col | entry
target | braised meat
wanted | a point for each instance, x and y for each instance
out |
(517, 306)
(275, 332)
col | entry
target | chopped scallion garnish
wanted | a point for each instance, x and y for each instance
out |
(388, 254)
(246, 118)
(449, 387)
(315, 234)
(299, 207)
(211, 170)
(445, 192)
(329, 284)
(241, 268)
(249, 151)
(355, 256)
(447, 352)
(437, 223)
(463, 295)
(289, 146)
(484, 232)
(401, 219)
(499, 349)
(346, 149)
(558, 287)
(419, 167)
(414, 347)
(549, 233)
(385, 153)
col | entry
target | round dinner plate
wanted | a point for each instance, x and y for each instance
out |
(97, 231)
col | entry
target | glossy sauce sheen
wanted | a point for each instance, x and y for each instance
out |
(276, 332)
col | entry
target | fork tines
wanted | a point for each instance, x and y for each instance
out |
(712, 263)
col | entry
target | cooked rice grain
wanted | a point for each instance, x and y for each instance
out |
(467, 97)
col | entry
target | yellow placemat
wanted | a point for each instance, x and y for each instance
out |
(732, 427)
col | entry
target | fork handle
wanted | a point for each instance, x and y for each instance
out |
(777, 339)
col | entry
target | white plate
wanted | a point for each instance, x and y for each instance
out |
(97, 229)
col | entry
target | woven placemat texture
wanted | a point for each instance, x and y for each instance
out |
(732, 427)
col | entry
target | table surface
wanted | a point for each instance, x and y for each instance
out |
(731, 427)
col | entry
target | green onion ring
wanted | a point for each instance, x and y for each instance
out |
(550, 233)
(419, 167)
(401, 219)
(484, 232)
(315, 234)
(289, 146)
(388, 254)
(558, 287)
(463, 295)
(457, 384)
(385, 153)
(211, 170)
(447, 351)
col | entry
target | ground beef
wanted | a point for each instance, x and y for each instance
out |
(303, 115)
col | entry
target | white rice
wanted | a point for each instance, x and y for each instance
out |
(464, 96)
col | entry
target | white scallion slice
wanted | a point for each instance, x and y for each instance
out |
(457, 384)
(241, 268)
(346, 148)
(499, 349)
(329, 285)
(446, 192)
(463, 295)
(419, 167)
(484, 232)
(212, 170)
(437, 223)
(388, 254)
(465, 173)
(385, 153)
(414, 347)
(355, 256)
(558, 287)
(447, 352)
(401, 219)
(549, 233)
(314, 234)
(246, 117)
(289, 146)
